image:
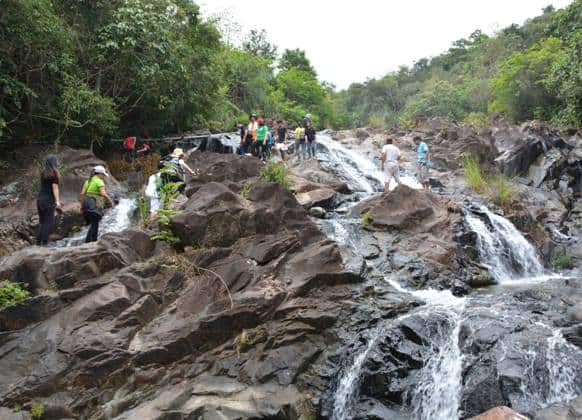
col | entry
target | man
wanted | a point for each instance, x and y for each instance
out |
(262, 138)
(423, 161)
(389, 158)
(300, 142)
(310, 138)
(306, 120)
(129, 145)
(281, 145)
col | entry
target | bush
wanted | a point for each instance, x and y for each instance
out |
(276, 172)
(477, 120)
(501, 191)
(37, 411)
(563, 261)
(474, 174)
(365, 220)
(11, 294)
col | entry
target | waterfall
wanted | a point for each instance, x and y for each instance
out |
(346, 392)
(565, 371)
(361, 173)
(503, 249)
(114, 220)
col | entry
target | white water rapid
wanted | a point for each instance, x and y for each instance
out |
(114, 220)
(503, 249)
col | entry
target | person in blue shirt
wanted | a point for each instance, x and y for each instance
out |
(423, 161)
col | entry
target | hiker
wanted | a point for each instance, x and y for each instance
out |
(129, 145)
(389, 157)
(281, 145)
(422, 162)
(300, 143)
(152, 192)
(261, 139)
(306, 121)
(242, 129)
(144, 151)
(93, 197)
(310, 138)
(49, 199)
(250, 134)
(173, 168)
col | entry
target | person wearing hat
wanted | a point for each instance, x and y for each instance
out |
(178, 157)
(93, 197)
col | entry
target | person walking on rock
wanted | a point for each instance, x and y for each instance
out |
(281, 145)
(310, 138)
(422, 161)
(49, 199)
(389, 158)
(262, 138)
(93, 196)
(300, 143)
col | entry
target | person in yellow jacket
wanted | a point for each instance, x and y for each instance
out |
(300, 146)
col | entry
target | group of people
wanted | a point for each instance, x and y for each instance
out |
(390, 157)
(257, 139)
(93, 199)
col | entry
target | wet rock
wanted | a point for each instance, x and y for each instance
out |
(318, 212)
(313, 171)
(500, 413)
(481, 279)
(322, 197)
(561, 411)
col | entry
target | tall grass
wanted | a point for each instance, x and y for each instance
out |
(497, 187)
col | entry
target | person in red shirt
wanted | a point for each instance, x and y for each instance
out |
(129, 148)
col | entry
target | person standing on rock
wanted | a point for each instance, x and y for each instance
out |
(262, 138)
(389, 162)
(422, 162)
(281, 145)
(310, 139)
(300, 143)
(49, 199)
(250, 134)
(93, 197)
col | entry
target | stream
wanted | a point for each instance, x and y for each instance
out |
(548, 369)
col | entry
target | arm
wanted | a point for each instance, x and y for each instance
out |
(82, 197)
(106, 196)
(57, 195)
(382, 160)
(186, 167)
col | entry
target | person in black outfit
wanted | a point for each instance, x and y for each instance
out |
(49, 199)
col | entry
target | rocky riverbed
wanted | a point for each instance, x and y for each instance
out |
(385, 306)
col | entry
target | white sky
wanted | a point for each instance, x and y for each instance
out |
(350, 41)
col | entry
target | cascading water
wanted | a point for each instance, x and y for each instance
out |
(438, 392)
(114, 220)
(346, 391)
(503, 249)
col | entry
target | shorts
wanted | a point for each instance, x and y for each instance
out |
(281, 146)
(392, 171)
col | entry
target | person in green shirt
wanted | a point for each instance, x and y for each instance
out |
(93, 197)
(261, 141)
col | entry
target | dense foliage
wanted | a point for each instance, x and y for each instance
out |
(524, 72)
(86, 70)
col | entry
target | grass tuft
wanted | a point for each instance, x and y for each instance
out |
(11, 294)
(276, 172)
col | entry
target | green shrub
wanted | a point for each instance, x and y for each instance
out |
(276, 172)
(563, 261)
(16, 408)
(474, 174)
(501, 191)
(246, 189)
(37, 411)
(144, 211)
(365, 220)
(11, 294)
(477, 120)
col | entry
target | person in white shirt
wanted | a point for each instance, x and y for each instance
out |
(389, 157)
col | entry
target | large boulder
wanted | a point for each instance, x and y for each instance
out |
(499, 413)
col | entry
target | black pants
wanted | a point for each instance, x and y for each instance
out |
(93, 231)
(46, 220)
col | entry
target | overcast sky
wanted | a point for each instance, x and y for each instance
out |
(350, 41)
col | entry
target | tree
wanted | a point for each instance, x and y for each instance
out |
(258, 44)
(296, 59)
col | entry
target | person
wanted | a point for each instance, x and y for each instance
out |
(92, 200)
(144, 151)
(152, 192)
(300, 143)
(422, 162)
(310, 138)
(250, 134)
(281, 145)
(48, 199)
(306, 121)
(242, 130)
(129, 145)
(389, 157)
(174, 168)
(261, 139)
(269, 146)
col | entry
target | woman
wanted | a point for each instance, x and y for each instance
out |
(93, 195)
(49, 199)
